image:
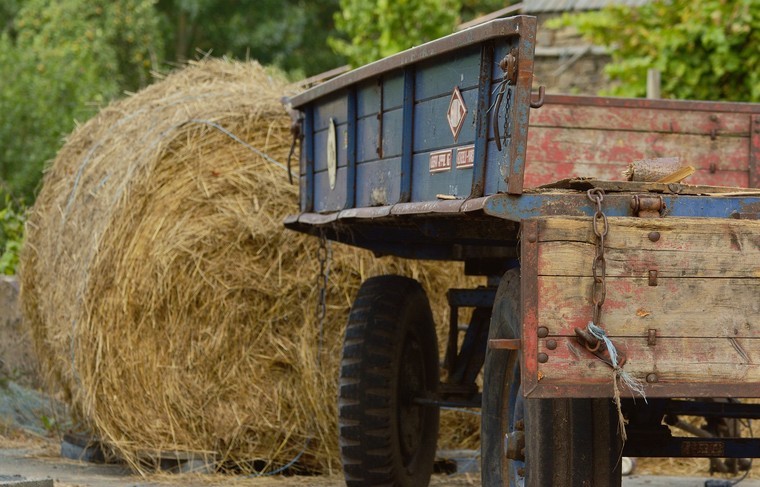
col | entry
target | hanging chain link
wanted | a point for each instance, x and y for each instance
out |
(323, 254)
(599, 267)
(323, 257)
(507, 114)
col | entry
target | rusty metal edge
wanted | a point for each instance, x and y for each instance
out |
(695, 105)
(495, 28)
(518, 144)
(529, 306)
(416, 208)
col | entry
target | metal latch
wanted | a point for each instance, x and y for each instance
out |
(647, 206)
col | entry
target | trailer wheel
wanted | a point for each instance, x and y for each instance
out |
(390, 358)
(558, 442)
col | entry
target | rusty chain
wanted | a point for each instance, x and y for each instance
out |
(323, 257)
(599, 267)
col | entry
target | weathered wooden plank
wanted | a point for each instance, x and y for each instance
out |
(640, 119)
(685, 247)
(529, 298)
(584, 184)
(544, 172)
(676, 307)
(703, 306)
(561, 145)
(673, 360)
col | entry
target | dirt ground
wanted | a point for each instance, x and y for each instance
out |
(33, 457)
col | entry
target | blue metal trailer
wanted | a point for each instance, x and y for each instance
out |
(422, 155)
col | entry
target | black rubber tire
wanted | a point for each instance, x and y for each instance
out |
(390, 356)
(568, 442)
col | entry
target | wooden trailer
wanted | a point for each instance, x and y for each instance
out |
(607, 301)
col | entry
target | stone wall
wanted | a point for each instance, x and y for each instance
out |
(566, 63)
(17, 361)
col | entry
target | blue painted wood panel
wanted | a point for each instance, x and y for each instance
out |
(320, 147)
(366, 139)
(404, 111)
(496, 168)
(392, 133)
(454, 182)
(367, 135)
(378, 182)
(368, 98)
(336, 106)
(436, 77)
(393, 90)
(326, 199)
(431, 126)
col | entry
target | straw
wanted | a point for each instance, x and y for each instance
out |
(165, 298)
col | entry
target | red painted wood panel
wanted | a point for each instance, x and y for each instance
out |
(598, 137)
(641, 119)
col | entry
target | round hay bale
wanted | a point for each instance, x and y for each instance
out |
(166, 299)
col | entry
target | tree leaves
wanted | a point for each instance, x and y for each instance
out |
(60, 60)
(379, 28)
(705, 50)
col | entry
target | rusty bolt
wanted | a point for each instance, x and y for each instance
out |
(514, 445)
(543, 358)
(654, 236)
(551, 344)
(531, 237)
(652, 337)
(652, 378)
(543, 332)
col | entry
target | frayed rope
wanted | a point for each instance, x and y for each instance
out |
(635, 385)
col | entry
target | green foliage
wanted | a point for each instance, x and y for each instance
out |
(704, 50)
(472, 9)
(11, 236)
(59, 61)
(379, 28)
(291, 34)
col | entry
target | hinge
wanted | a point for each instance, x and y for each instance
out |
(647, 206)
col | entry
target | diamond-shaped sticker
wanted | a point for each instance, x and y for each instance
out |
(456, 113)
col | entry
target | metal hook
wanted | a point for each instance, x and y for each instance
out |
(495, 115)
(540, 102)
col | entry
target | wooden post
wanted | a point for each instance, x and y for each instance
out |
(653, 83)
